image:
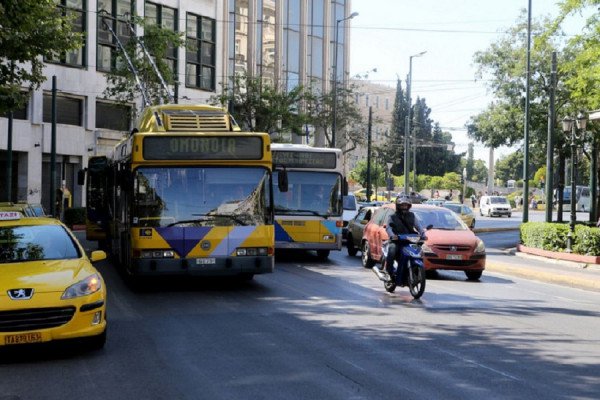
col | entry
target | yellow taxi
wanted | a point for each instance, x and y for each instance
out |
(49, 289)
(464, 212)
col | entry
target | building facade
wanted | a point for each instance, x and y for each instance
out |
(287, 42)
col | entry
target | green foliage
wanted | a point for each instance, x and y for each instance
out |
(121, 83)
(74, 216)
(258, 106)
(542, 235)
(553, 237)
(359, 174)
(510, 166)
(587, 240)
(30, 31)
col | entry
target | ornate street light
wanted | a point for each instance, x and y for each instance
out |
(570, 125)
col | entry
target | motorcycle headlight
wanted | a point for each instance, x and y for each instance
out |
(85, 287)
(480, 248)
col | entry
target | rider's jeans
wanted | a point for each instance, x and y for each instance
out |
(393, 249)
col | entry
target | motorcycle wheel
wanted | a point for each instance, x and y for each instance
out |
(416, 280)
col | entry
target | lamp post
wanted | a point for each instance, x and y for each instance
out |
(407, 125)
(335, 62)
(571, 125)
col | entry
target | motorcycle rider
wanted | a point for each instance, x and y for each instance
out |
(402, 222)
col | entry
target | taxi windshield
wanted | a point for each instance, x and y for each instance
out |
(36, 242)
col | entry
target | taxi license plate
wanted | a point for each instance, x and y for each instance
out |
(454, 257)
(23, 338)
(205, 261)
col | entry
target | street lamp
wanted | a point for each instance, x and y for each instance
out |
(407, 126)
(571, 125)
(335, 58)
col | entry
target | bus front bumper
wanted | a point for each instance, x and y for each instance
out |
(217, 266)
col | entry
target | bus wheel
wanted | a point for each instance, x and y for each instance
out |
(246, 277)
(323, 254)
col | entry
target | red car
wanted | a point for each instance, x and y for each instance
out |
(450, 244)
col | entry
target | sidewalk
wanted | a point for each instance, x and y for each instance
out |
(567, 273)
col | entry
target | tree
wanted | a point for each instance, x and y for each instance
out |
(30, 31)
(359, 174)
(470, 162)
(510, 167)
(395, 148)
(121, 82)
(259, 106)
(480, 172)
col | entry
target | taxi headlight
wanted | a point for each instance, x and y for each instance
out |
(480, 248)
(85, 287)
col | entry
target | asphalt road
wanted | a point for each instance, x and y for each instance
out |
(315, 330)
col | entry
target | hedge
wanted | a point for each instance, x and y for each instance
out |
(553, 237)
(74, 216)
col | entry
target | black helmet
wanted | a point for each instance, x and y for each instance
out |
(403, 200)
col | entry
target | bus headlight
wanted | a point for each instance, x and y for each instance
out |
(157, 254)
(251, 251)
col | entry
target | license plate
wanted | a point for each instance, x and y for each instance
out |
(205, 261)
(454, 257)
(23, 338)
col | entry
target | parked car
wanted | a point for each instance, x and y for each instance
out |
(494, 205)
(350, 210)
(464, 212)
(49, 289)
(356, 228)
(450, 244)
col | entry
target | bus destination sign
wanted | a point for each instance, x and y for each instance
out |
(203, 148)
(304, 159)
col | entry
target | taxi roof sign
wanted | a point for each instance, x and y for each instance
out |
(9, 215)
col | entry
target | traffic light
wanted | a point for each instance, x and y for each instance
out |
(462, 180)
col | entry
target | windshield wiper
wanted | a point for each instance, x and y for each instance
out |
(313, 212)
(186, 221)
(232, 217)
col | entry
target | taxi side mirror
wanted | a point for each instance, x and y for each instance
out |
(97, 255)
(364, 221)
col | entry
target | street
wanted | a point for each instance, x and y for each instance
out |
(327, 330)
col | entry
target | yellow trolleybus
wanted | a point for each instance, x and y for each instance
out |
(309, 215)
(185, 193)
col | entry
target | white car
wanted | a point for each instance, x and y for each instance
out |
(351, 208)
(494, 205)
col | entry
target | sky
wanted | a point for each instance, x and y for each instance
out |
(450, 31)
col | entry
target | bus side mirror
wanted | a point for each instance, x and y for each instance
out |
(282, 181)
(81, 177)
(345, 187)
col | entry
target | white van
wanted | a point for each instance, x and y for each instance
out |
(494, 205)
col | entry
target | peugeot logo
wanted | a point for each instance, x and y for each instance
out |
(20, 294)
(205, 245)
(453, 248)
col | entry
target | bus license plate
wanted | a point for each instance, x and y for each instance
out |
(205, 261)
(23, 338)
(454, 257)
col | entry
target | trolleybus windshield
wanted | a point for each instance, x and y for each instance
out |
(197, 196)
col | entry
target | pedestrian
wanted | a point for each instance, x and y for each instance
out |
(473, 200)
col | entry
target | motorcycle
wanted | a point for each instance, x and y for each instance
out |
(411, 257)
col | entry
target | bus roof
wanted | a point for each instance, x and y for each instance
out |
(186, 118)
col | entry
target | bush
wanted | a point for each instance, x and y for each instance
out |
(74, 216)
(553, 237)
(587, 240)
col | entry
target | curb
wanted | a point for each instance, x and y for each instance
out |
(541, 275)
(485, 230)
